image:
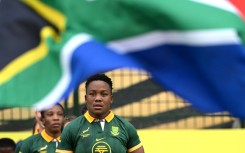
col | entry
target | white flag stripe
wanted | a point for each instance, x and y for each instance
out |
(221, 4)
(190, 38)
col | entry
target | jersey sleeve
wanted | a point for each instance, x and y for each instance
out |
(17, 149)
(134, 140)
(25, 146)
(66, 142)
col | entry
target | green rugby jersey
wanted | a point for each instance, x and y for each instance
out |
(39, 143)
(84, 135)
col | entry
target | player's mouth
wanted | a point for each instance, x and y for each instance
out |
(56, 125)
(97, 106)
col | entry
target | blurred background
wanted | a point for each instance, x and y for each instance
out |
(165, 122)
(138, 99)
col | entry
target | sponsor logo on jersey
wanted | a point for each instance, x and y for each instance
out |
(101, 147)
(98, 139)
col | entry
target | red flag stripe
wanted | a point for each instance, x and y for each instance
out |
(239, 4)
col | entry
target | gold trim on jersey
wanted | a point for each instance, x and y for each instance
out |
(135, 147)
(90, 119)
(63, 151)
(47, 137)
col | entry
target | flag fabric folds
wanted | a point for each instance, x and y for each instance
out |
(193, 48)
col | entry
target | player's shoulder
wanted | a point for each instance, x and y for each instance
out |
(121, 120)
(31, 139)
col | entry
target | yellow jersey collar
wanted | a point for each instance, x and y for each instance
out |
(47, 137)
(90, 119)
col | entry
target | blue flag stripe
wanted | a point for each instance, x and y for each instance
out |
(199, 74)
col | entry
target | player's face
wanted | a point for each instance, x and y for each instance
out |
(53, 119)
(98, 98)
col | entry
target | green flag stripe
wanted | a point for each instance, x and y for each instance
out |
(34, 82)
(135, 17)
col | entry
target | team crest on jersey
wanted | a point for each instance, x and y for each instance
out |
(101, 147)
(114, 130)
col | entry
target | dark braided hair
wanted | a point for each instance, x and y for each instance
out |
(100, 77)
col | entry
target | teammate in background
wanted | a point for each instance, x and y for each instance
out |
(68, 119)
(48, 139)
(37, 128)
(99, 130)
(7, 145)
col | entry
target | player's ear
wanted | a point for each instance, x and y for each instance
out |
(85, 97)
(111, 99)
(42, 120)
